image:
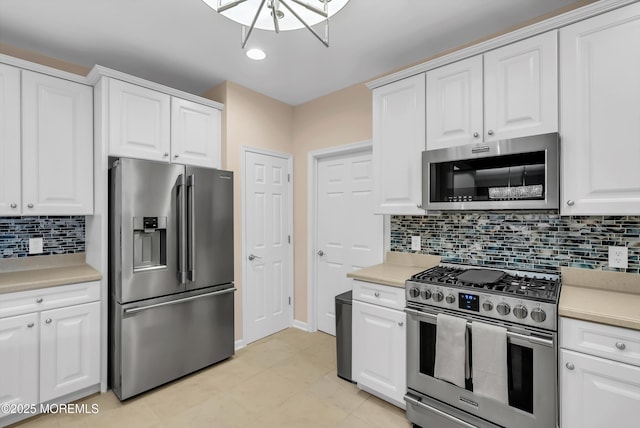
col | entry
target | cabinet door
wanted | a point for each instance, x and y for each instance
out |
(69, 349)
(139, 124)
(379, 351)
(19, 360)
(600, 109)
(521, 88)
(454, 104)
(398, 142)
(596, 393)
(195, 134)
(57, 146)
(10, 202)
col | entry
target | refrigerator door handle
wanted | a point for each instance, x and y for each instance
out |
(191, 183)
(175, 302)
(182, 232)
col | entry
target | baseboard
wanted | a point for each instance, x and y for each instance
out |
(239, 344)
(301, 326)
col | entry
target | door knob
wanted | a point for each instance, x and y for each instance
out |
(476, 135)
(320, 253)
(570, 366)
(490, 132)
(570, 202)
(253, 257)
(621, 346)
(14, 205)
(48, 321)
(29, 205)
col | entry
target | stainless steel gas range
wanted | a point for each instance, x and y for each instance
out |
(519, 311)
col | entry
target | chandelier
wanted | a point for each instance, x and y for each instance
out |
(278, 15)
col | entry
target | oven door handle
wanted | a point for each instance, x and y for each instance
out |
(532, 339)
(457, 421)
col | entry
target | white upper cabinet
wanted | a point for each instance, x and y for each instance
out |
(600, 110)
(398, 142)
(454, 104)
(148, 124)
(520, 95)
(10, 194)
(57, 146)
(139, 122)
(46, 144)
(521, 88)
(195, 133)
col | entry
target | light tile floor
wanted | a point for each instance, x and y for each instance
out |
(285, 380)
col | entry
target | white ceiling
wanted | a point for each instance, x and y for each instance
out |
(186, 45)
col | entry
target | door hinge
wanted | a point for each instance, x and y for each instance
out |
(289, 300)
(289, 239)
(289, 178)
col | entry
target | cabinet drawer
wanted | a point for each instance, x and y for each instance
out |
(614, 343)
(378, 294)
(48, 298)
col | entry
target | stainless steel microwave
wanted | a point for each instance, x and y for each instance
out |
(515, 174)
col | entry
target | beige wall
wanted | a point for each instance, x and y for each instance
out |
(342, 117)
(250, 119)
(42, 59)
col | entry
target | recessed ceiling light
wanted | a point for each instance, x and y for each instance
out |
(257, 54)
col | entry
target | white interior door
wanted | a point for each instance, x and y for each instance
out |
(348, 234)
(267, 283)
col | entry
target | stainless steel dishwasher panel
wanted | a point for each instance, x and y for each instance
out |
(166, 338)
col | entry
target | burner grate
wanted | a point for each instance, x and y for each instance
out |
(523, 285)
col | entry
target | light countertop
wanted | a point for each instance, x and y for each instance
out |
(599, 296)
(30, 273)
(396, 269)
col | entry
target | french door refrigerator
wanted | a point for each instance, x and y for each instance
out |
(171, 272)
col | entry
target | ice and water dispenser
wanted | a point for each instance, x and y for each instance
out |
(149, 243)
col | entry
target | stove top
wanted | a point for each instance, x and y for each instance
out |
(528, 298)
(527, 285)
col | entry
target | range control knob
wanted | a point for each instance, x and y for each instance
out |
(520, 312)
(414, 292)
(451, 298)
(425, 294)
(503, 308)
(438, 296)
(487, 305)
(538, 315)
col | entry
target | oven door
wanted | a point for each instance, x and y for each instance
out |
(531, 365)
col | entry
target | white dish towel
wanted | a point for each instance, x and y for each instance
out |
(451, 349)
(489, 360)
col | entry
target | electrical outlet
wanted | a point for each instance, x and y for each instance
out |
(416, 244)
(618, 257)
(35, 245)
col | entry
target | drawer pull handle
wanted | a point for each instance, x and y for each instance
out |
(570, 366)
(30, 325)
(620, 346)
(39, 300)
(376, 294)
(48, 321)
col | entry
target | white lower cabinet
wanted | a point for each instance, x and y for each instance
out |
(51, 351)
(69, 350)
(599, 375)
(597, 392)
(19, 341)
(379, 351)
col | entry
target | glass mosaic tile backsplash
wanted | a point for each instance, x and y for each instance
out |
(527, 241)
(61, 235)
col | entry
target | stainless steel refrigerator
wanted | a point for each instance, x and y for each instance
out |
(171, 272)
